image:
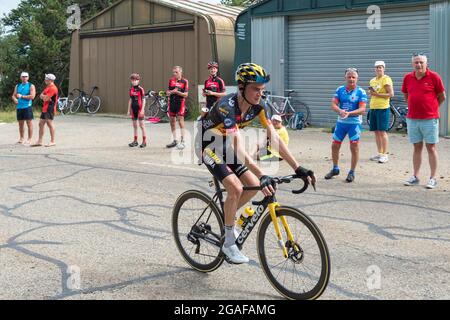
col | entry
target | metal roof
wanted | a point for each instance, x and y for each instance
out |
(198, 8)
(201, 7)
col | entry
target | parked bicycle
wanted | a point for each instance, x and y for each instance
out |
(399, 110)
(158, 104)
(89, 102)
(288, 109)
(291, 249)
(64, 105)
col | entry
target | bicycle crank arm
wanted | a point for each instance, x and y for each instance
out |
(206, 238)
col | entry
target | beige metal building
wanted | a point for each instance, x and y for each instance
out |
(149, 37)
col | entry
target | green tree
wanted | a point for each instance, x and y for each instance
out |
(38, 41)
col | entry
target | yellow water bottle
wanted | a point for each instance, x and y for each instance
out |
(248, 212)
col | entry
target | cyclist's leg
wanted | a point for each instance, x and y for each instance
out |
(134, 119)
(173, 128)
(234, 195)
(172, 113)
(181, 115)
(182, 126)
(354, 135)
(142, 126)
(248, 179)
(215, 163)
(219, 169)
(338, 136)
(135, 129)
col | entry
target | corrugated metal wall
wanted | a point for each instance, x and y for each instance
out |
(321, 47)
(268, 49)
(440, 43)
(107, 63)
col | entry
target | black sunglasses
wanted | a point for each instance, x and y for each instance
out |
(417, 54)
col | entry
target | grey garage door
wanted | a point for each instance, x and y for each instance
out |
(321, 47)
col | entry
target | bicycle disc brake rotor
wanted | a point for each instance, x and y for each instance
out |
(295, 252)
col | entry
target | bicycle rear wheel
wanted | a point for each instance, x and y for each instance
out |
(392, 119)
(76, 105)
(153, 109)
(198, 230)
(298, 106)
(93, 105)
(305, 273)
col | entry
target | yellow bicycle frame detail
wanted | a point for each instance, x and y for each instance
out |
(272, 211)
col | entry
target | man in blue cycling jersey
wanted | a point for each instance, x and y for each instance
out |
(349, 103)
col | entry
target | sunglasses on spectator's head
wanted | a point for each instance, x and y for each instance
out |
(417, 54)
(352, 70)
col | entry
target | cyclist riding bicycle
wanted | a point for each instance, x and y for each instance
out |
(223, 152)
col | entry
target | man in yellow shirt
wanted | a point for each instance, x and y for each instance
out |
(268, 152)
(381, 91)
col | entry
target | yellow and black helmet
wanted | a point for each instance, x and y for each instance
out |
(251, 73)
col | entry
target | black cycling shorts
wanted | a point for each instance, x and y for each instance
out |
(135, 113)
(219, 164)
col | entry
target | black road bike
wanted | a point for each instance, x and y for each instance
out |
(88, 101)
(291, 249)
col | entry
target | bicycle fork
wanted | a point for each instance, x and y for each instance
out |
(272, 211)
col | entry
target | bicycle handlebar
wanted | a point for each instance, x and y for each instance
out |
(281, 180)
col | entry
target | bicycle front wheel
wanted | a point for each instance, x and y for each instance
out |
(93, 105)
(63, 106)
(305, 273)
(163, 105)
(198, 230)
(76, 104)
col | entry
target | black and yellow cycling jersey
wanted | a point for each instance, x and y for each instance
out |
(226, 115)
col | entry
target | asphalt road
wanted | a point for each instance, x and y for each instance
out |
(90, 219)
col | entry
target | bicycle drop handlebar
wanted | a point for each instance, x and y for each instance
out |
(281, 180)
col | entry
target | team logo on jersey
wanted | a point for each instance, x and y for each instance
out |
(207, 124)
(212, 85)
(249, 116)
(227, 122)
(224, 111)
(231, 102)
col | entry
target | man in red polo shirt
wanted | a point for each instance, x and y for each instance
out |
(50, 98)
(424, 91)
